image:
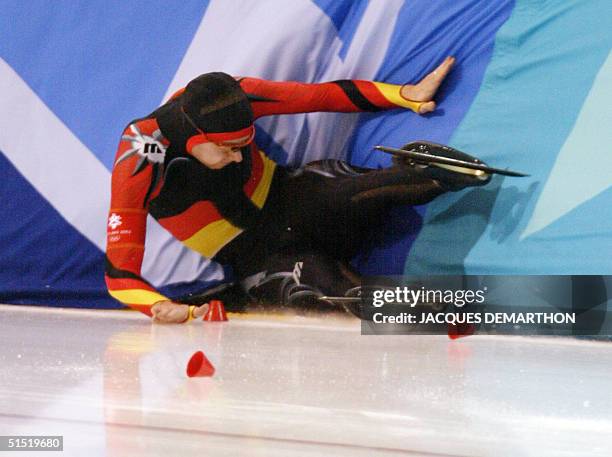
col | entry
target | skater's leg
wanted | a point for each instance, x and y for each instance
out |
(298, 278)
(336, 213)
(396, 185)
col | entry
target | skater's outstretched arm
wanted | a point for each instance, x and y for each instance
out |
(289, 97)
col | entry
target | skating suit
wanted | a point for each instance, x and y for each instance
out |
(215, 206)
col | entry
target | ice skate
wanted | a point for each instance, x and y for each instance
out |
(450, 168)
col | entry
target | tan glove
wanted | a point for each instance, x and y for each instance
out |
(167, 312)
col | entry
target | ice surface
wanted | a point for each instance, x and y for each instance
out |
(114, 384)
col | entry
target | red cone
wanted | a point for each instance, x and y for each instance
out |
(216, 312)
(460, 330)
(199, 366)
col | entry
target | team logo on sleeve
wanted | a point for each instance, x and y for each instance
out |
(114, 221)
(121, 227)
(149, 148)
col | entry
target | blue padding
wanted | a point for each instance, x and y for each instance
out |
(266, 143)
(127, 59)
(532, 100)
(49, 262)
(426, 32)
(336, 10)
(346, 16)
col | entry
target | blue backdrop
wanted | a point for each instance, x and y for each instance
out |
(531, 91)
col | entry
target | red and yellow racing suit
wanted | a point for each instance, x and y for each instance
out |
(208, 217)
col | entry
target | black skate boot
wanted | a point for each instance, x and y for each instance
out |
(449, 177)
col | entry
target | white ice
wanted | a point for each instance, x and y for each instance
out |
(114, 384)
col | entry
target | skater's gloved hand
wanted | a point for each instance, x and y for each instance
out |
(427, 87)
(167, 312)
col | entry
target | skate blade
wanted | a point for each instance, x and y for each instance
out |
(428, 159)
(339, 299)
(479, 174)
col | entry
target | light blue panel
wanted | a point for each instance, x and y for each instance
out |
(545, 62)
(580, 158)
